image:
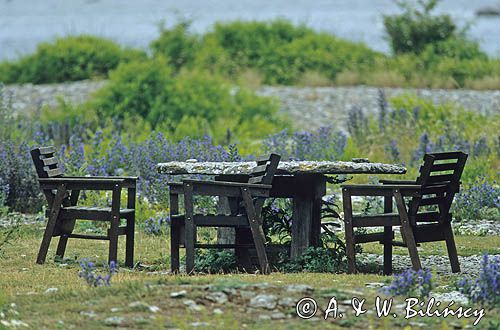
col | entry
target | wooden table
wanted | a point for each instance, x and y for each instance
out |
(303, 181)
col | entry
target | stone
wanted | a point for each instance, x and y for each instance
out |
(287, 302)
(298, 288)
(278, 316)
(247, 294)
(178, 294)
(267, 301)
(114, 321)
(200, 324)
(192, 305)
(218, 311)
(374, 285)
(90, 314)
(286, 167)
(217, 297)
(51, 290)
(139, 305)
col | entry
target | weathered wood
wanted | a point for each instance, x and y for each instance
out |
(256, 228)
(51, 223)
(416, 227)
(174, 232)
(62, 222)
(349, 233)
(189, 227)
(290, 167)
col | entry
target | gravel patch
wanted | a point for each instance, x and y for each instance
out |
(469, 265)
(308, 107)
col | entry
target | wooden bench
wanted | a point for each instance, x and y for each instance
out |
(62, 193)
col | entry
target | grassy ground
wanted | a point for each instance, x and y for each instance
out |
(134, 294)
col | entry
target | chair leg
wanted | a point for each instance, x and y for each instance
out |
(407, 231)
(349, 232)
(129, 247)
(189, 228)
(115, 222)
(51, 224)
(61, 246)
(387, 238)
(451, 247)
(174, 247)
(257, 231)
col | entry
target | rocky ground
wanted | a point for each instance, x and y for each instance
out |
(309, 107)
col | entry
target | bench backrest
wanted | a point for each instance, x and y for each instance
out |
(46, 163)
(440, 177)
(264, 172)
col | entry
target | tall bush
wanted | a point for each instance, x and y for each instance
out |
(68, 59)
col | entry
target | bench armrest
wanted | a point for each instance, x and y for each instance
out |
(90, 183)
(393, 182)
(382, 190)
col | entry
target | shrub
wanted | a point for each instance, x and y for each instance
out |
(485, 289)
(176, 44)
(189, 104)
(480, 200)
(415, 28)
(133, 89)
(215, 261)
(316, 260)
(324, 143)
(410, 283)
(68, 59)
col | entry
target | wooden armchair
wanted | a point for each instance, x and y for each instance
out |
(62, 195)
(437, 184)
(250, 197)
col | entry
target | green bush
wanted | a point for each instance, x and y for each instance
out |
(176, 44)
(281, 51)
(191, 103)
(68, 59)
(415, 28)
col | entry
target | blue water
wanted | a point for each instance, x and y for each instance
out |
(25, 23)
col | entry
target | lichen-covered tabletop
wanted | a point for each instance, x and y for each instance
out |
(285, 167)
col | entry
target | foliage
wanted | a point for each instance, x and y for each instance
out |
(192, 103)
(68, 59)
(480, 200)
(277, 220)
(316, 260)
(410, 283)
(324, 143)
(215, 261)
(485, 289)
(176, 44)
(415, 28)
(156, 225)
(88, 273)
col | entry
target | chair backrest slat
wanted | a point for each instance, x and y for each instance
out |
(46, 163)
(264, 172)
(440, 177)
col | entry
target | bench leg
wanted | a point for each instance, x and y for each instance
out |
(61, 246)
(51, 224)
(189, 228)
(451, 247)
(387, 238)
(115, 223)
(257, 231)
(129, 248)
(407, 231)
(349, 232)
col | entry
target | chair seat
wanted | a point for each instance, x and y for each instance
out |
(390, 219)
(92, 212)
(219, 220)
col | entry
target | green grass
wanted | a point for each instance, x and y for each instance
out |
(24, 283)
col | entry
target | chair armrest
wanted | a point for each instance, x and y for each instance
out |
(393, 182)
(126, 178)
(75, 183)
(227, 184)
(226, 189)
(382, 190)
